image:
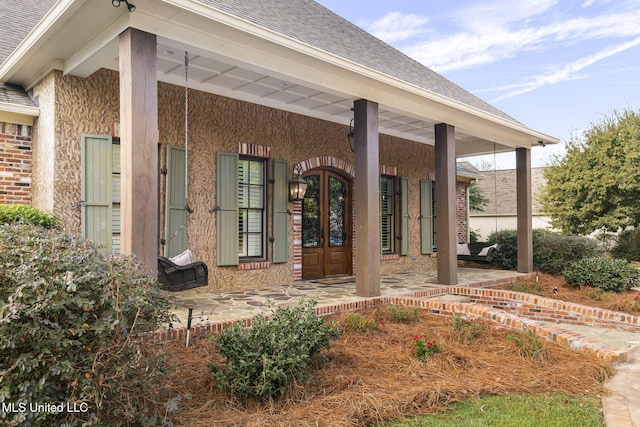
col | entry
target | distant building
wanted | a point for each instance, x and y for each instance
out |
(499, 187)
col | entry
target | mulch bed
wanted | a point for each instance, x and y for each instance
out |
(545, 285)
(371, 377)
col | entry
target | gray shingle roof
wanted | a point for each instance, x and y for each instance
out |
(302, 20)
(11, 94)
(312, 23)
(18, 19)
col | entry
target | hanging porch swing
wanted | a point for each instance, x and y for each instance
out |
(180, 272)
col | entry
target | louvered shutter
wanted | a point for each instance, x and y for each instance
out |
(280, 215)
(227, 204)
(404, 215)
(426, 217)
(97, 184)
(386, 214)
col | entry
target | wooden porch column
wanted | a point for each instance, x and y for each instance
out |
(446, 236)
(367, 198)
(139, 146)
(524, 222)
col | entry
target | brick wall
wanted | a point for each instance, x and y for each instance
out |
(461, 212)
(15, 164)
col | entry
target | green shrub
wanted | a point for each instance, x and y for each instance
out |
(397, 314)
(552, 252)
(10, 214)
(423, 348)
(528, 344)
(507, 255)
(68, 319)
(361, 324)
(627, 246)
(608, 274)
(465, 331)
(273, 352)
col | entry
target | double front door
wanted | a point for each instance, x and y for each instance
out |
(326, 225)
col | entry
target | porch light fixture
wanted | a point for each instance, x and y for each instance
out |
(297, 186)
(116, 3)
(542, 144)
(351, 136)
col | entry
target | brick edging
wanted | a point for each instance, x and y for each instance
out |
(471, 310)
(549, 309)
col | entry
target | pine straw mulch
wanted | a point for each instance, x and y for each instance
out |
(371, 377)
(622, 301)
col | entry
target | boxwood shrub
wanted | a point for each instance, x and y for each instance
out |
(608, 274)
(69, 319)
(552, 252)
(11, 214)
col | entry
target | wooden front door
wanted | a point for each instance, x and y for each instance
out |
(326, 225)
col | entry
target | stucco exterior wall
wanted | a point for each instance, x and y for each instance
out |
(70, 106)
(216, 124)
(43, 167)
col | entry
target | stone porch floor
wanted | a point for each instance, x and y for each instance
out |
(210, 307)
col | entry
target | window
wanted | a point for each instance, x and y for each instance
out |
(251, 208)
(387, 214)
(241, 209)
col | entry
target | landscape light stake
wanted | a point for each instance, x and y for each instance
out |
(189, 325)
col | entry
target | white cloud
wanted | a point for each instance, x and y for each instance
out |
(499, 13)
(471, 49)
(568, 72)
(394, 27)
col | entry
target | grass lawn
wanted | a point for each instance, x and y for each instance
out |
(555, 410)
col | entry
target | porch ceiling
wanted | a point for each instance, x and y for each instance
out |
(237, 59)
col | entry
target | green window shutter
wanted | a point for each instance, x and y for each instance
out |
(404, 215)
(426, 217)
(280, 214)
(175, 202)
(227, 204)
(97, 177)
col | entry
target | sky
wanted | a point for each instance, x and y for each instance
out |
(557, 66)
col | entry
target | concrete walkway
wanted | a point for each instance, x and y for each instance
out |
(621, 406)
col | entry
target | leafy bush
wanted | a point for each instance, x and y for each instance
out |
(608, 274)
(465, 331)
(627, 246)
(361, 324)
(10, 214)
(506, 257)
(552, 252)
(527, 344)
(68, 319)
(273, 352)
(423, 348)
(397, 314)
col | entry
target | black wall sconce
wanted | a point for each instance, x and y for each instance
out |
(351, 136)
(116, 3)
(297, 186)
